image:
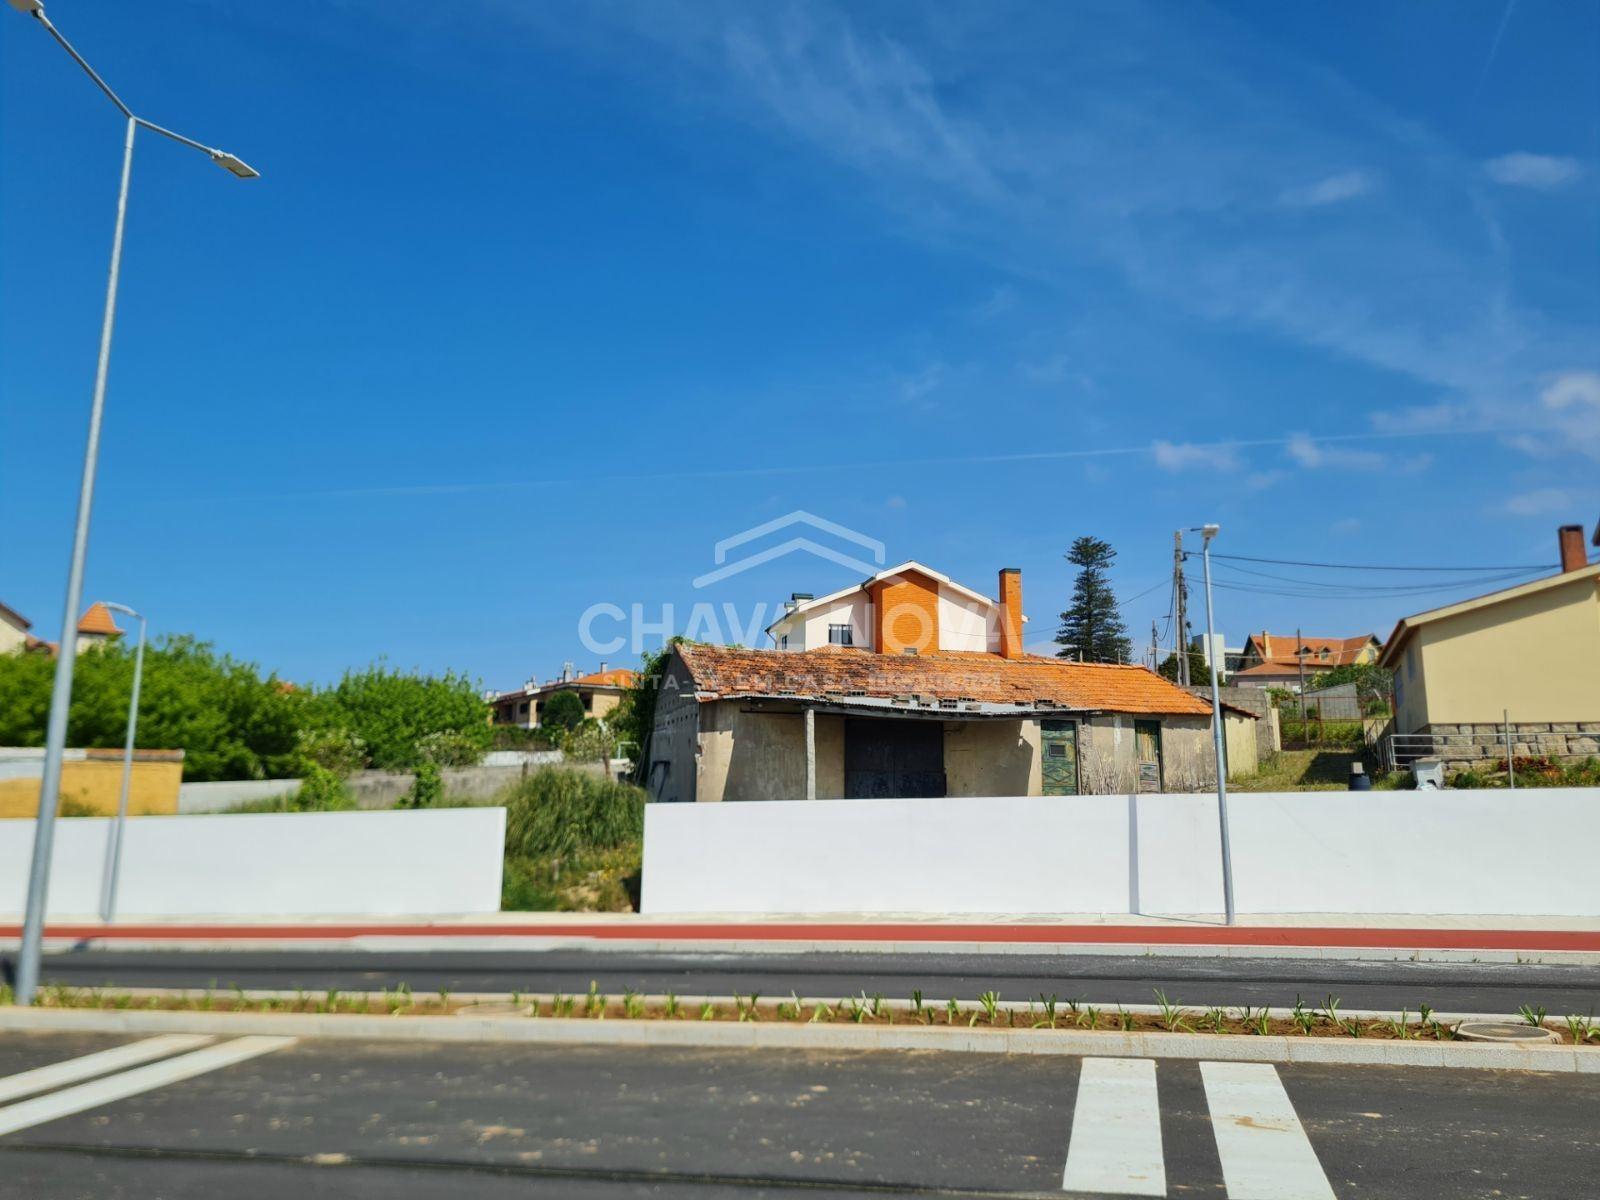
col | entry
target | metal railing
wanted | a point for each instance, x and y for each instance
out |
(1495, 751)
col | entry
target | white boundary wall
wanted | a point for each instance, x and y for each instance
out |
(1451, 852)
(414, 863)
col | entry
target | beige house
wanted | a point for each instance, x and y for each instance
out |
(95, 627)
(600, 692)
(1530, 651)
(1282, 660)
(881, 703)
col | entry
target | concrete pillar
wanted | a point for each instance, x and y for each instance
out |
(811, 753)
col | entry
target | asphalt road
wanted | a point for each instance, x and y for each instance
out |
(405, 1121)
(1097, 979)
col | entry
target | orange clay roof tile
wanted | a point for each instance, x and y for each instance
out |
(97, 619)
(944, 674)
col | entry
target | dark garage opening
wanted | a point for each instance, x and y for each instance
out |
(888, 758)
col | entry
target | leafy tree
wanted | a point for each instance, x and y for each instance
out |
(563, 710)
(1092, 626)
(592, 741)
(392, 713)
(427, 789)
(1374, 684)
(231, 722)
(635, 715)
(1199, 672)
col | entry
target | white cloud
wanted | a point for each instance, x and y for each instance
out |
(1542, 502)
(927, 380)
(1572, 401)
(1181, 456)
(1335, 189)
(1309, 453)
(1533, 170)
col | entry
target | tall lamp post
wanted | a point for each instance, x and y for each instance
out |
(61, 695)
(1207, 532)
(108, 892)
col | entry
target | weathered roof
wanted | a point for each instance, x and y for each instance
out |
(975, 676)
(14, 618)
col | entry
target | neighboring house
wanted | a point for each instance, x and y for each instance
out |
(600, 692)
(95, 627)
(1275, 660)
(1529, 654)
(933, 695)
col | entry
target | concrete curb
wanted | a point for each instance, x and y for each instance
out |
(379, 942)
(762, 1035)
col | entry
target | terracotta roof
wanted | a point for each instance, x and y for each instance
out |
(98, 619)
(615, 677)
(1285, 648)
(838, 672)
(1285, 669)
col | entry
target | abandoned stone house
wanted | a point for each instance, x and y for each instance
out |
(910, 685)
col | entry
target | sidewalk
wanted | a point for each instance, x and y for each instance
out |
(1321, 935)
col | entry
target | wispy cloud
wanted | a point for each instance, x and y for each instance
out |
(1542, 502)
(1335, 189)
(1182, 456)
(1311, 454)
(1543, 171)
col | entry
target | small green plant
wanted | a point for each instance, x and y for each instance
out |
(561, 1005)
(1258, 1022)
(1049, 1004)
(858, 1009)
(990, 1001)
(593, 1003)
(916, 1001)
(1533, 1015)
(822, 1012)
(632, 1005)
(708, 1011)
(1090, 1018)
(671, 1007)
(877, 1004)
(952, 1010)
(1303, 1017)
(1125, 1019)
(1582, 1029)
(789, 1010)
(748, 1012)
(1217, 1019)
(1171, 1014)
(444, 998)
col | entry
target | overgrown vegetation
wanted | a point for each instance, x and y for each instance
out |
(1533, 772)
(234, 722)
(573, 841)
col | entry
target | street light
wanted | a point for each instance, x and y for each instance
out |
(108, 891)
(1207, 532)
(61, 695)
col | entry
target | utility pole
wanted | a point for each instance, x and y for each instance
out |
(1180, 603)
(1155, 648)
(1300, 654)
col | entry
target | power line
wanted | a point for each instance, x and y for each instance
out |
(1287, 562)
(1375, 589)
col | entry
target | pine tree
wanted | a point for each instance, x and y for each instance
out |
(1092, 626)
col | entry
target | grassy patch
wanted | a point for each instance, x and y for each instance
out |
(574, 842)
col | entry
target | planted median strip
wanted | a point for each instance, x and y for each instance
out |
(988, 1011)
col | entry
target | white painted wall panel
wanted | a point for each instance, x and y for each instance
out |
(1460, 852)
(427, 862)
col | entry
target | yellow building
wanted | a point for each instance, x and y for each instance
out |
(1530, 654)
(91, 781)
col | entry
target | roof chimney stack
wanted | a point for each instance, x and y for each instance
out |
(1573, 555)
(1010, 612)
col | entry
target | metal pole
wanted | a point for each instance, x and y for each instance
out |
(1511, 769)
(1216, 736)
(61, 696)
(108, 895)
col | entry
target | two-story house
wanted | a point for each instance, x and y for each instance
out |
(1282, 660)
(908, 684)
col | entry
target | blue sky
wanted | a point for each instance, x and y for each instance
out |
(535, 303)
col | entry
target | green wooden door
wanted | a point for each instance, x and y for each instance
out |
(1058, 741)
(1147, 744)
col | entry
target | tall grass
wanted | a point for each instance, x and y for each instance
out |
(557, 812)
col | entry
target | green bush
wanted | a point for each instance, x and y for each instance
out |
(562, 812)
(562, 711)
(335, 749)
(427, 789)
(392, 713)
(320, 791)
(449, 748)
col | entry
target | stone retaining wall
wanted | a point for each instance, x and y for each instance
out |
(1472, 745)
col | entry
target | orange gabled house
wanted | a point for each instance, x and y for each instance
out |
(908, 684)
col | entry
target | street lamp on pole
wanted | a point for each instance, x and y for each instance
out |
(61, 695)
(1207, 532)
(108, 892)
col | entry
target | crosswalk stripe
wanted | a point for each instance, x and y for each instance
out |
(130, 1083)
(102, 1062)
(1116, 1130)
(1264, 1149)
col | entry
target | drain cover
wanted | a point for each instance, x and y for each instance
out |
(1504, 1031)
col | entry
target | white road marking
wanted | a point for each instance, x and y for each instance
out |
(130, 1083)
(1116, 1130)
(1264, 1149)
(102, 1062)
